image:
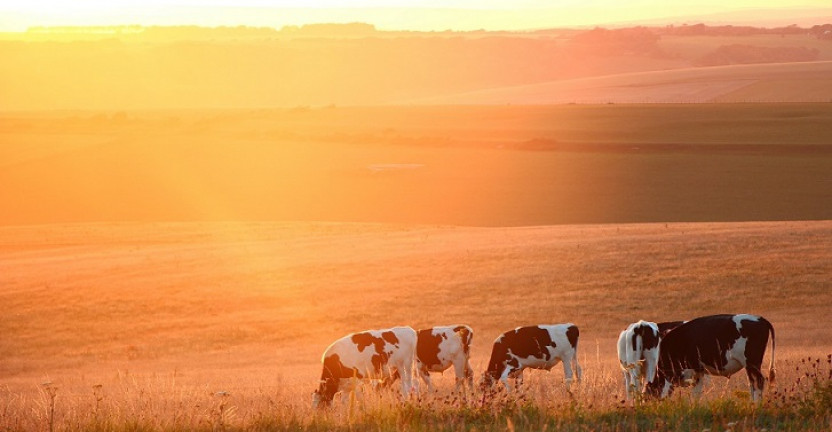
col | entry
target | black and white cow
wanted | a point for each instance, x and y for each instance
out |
(367, 355)
(714, 345)
(536, 347)
(638, 352)
(439, 348)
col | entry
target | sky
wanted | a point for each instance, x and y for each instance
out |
(385, 14)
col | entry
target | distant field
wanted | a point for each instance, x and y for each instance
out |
(783, 82)
(245, 68)
(163, 316)
(481, 166)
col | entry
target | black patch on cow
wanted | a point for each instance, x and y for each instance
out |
(365, 339)
(572, 334)
(465, 335)
(700, 341)
(390, 337)
(522, 342)
(704, 341)
(427, 348)
(333, 371)
(649, 338)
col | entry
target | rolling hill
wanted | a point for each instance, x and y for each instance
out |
(780, 82)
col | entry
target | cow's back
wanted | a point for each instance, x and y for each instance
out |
(705, 340)
(368, 352)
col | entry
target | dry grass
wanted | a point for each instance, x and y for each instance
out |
(166, 316)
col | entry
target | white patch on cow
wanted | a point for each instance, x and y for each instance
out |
(735, 357)
(738, 319)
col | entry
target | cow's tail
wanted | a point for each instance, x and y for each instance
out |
(771, 370)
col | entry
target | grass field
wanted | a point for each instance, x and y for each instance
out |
(135, 302)
(481, 166)
(147, 326)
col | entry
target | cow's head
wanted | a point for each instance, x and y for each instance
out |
(322, 397)
(316, 399)
(662, 385)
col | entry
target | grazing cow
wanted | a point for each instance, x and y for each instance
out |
(714, 345)
(368, 355)
(638, 352)
(537, 347)
(439, 348)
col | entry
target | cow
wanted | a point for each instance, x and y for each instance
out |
(638, 352)
(714, 345)
(439, 348)
(367, 355)
(537, 347)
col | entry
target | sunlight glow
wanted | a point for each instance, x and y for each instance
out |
(385, 14)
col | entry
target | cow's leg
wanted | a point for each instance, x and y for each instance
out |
(407, 380)
(626, 383)
(388, 381)
(636, 379)
(579, 372)
(469, 375)
(504, 377)
(567, 372)
(464, 374)
(629, 383)
(667, 389)
(425, 375)
(756, 381)
(358, 393)
(347, 388)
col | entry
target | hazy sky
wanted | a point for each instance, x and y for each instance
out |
(386, 14)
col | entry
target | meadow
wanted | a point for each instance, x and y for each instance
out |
(185, 269)
(220, 326)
